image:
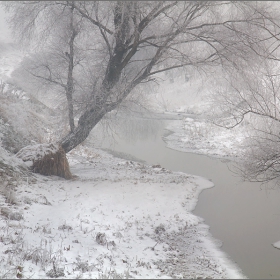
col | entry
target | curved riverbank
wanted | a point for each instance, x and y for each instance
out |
(152, 150)
(244, 215)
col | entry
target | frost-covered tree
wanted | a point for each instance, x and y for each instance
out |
(253, 97)
(98, 53)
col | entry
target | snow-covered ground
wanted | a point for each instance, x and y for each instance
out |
(117, 218)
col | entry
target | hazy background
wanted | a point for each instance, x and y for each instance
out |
(5, 33)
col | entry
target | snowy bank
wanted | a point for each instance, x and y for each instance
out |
(117, 219)
(197, 135)
(276, 245)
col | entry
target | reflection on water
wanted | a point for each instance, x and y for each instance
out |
(138, 129)
(126, 129)
(245, 216)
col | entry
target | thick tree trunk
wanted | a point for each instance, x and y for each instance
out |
(99, 106)
(46, 159)
(86, 123)
(53, 164)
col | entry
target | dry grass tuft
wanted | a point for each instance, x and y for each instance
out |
(8, 213)
(53, 164)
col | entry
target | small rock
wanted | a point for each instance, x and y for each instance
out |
(101, 238)
(160, 229)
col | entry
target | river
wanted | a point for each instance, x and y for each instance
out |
(244, 216)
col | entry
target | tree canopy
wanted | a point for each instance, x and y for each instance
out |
(98, 52)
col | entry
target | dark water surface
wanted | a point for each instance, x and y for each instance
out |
(244, 216)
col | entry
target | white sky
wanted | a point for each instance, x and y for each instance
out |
(5, 34)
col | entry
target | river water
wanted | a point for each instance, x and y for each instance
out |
(244, 216)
